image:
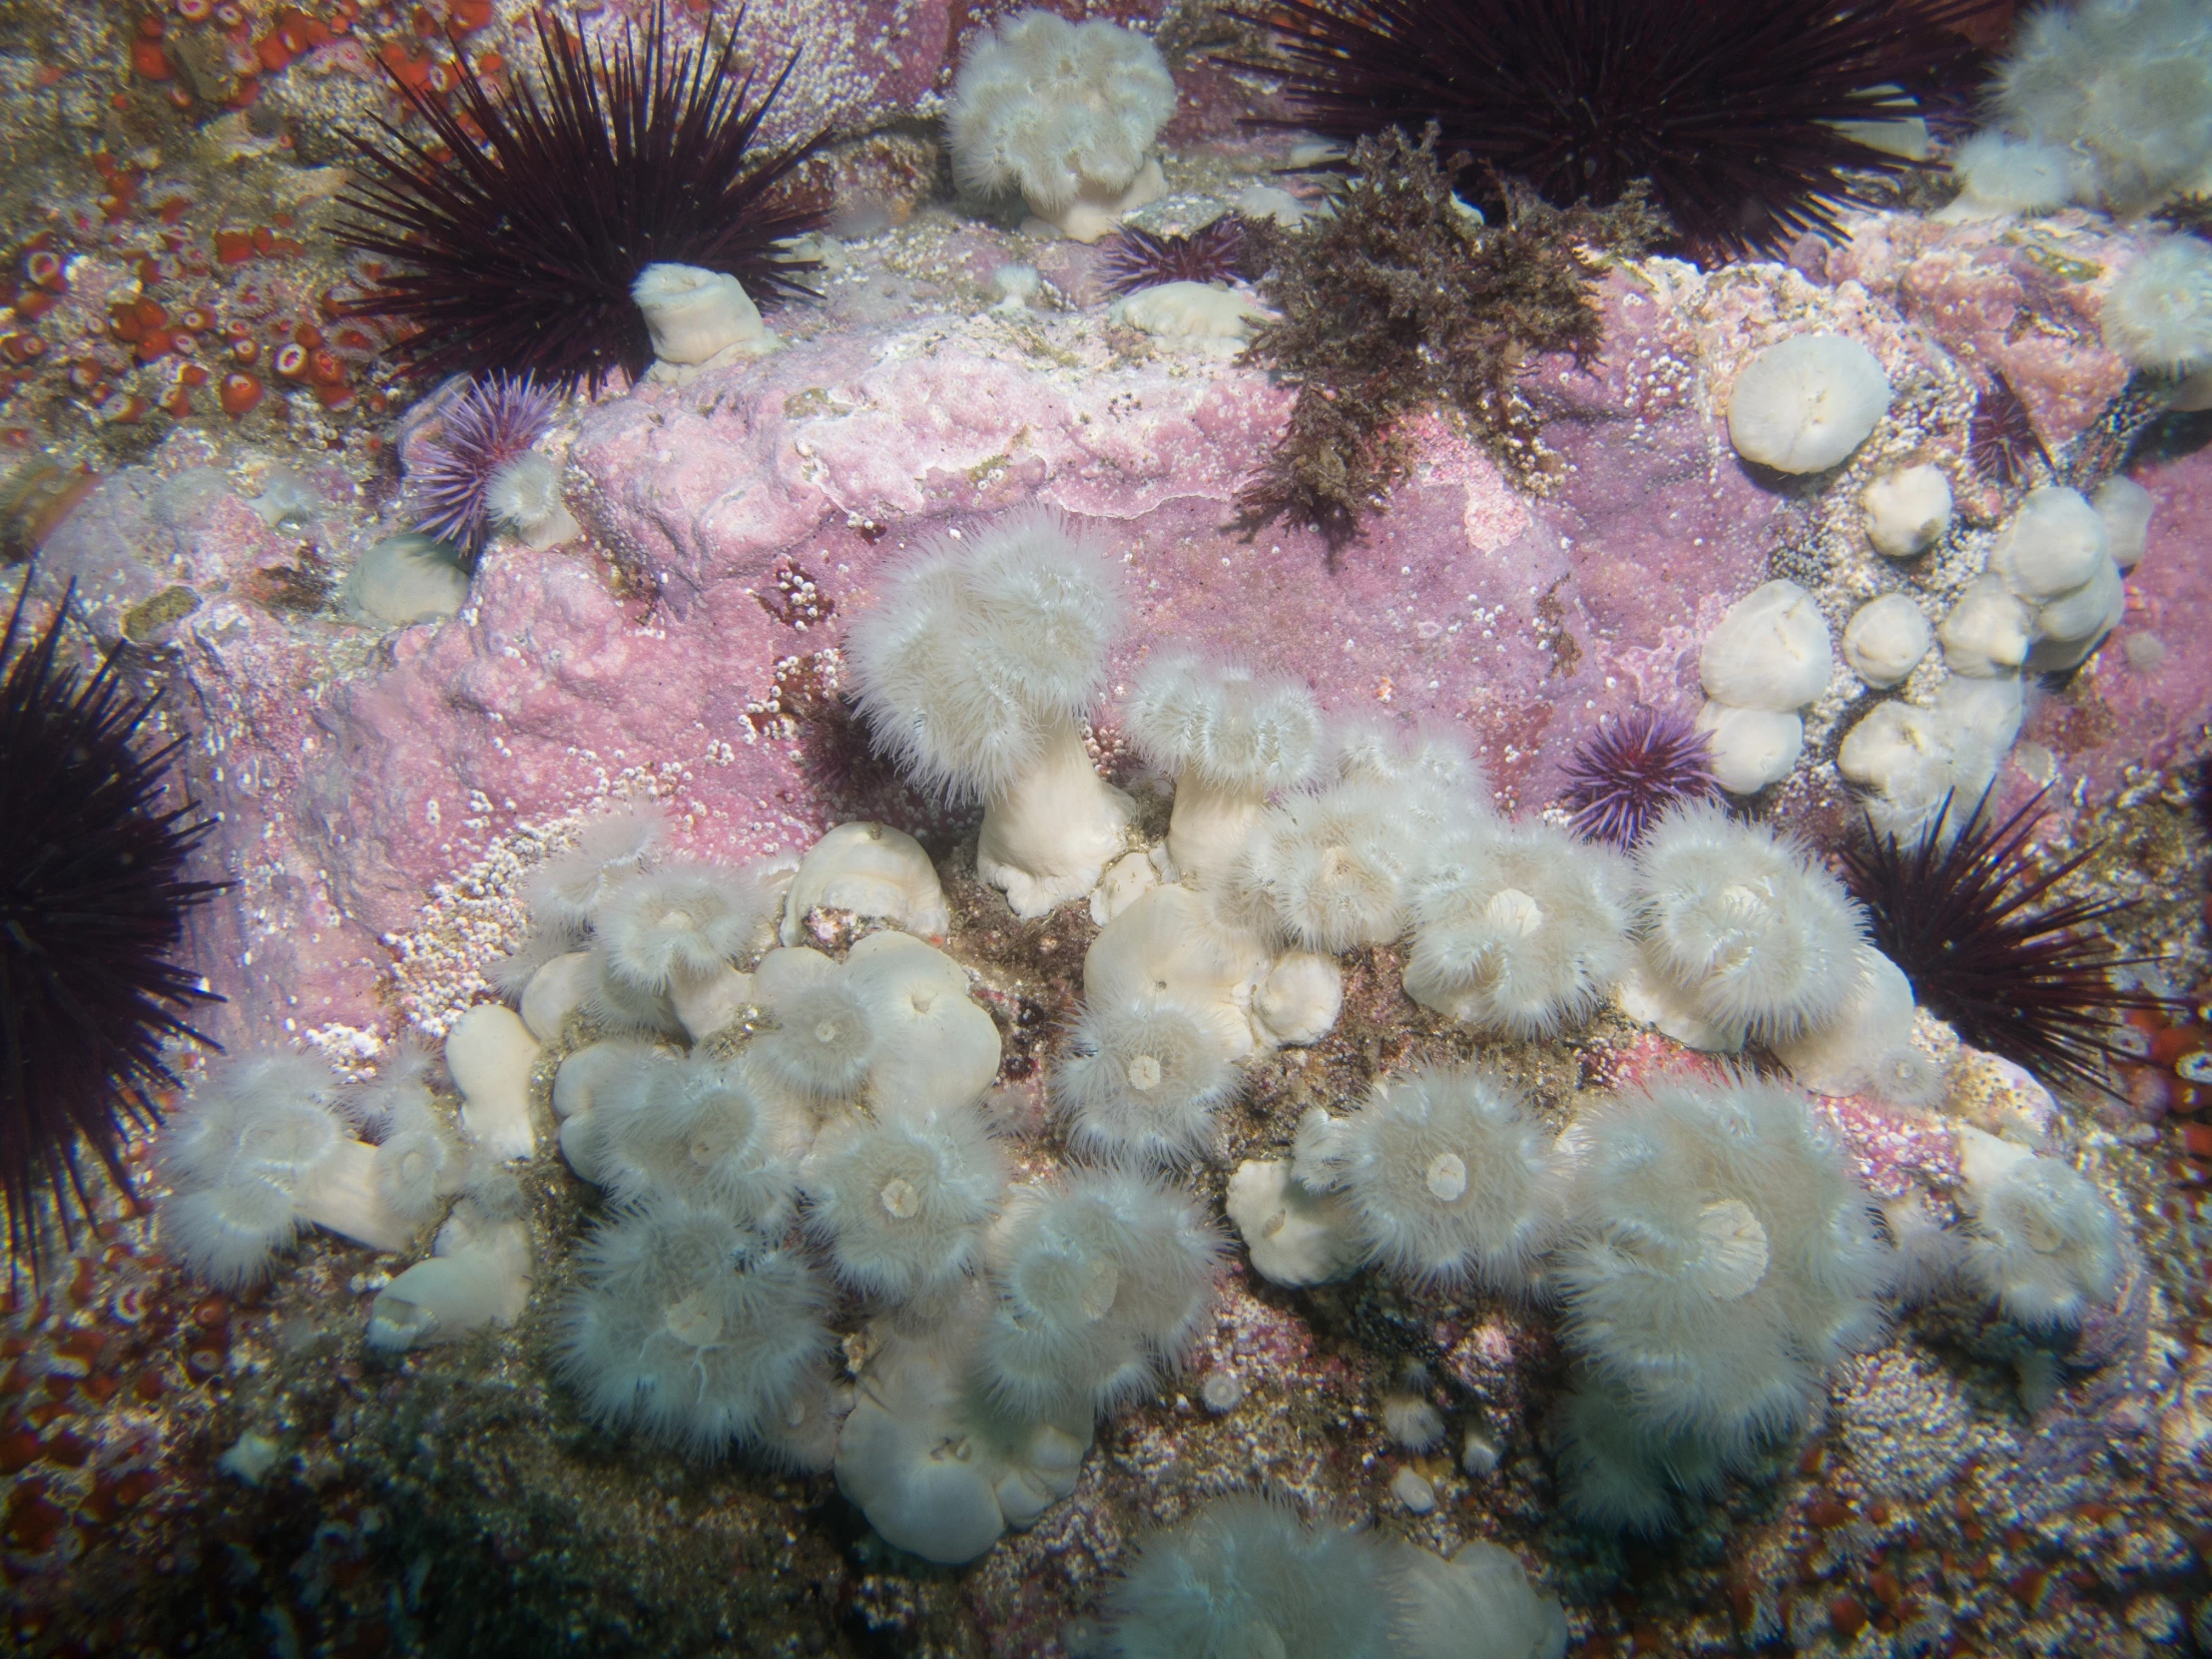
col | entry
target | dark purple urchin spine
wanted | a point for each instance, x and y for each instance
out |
(1965, 919)
(517, 247)
(1624, 779)
(94, 903)
(488, 425)
(1214, 252)
(1728, 106)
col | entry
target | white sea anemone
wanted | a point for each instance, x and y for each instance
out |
(1142, 1078)
(2123, 88)
(566, 890)
(683, 923)
(1749, 928)
(1066, 114)
(899, 1202)
(688, 1127)
(257, 1152)
(2159, 314)
(1232, 738)
(2041, 1240)
(824, 1038)
(934, 1464)
(419, 1163)
(972, 671)
(933, 1047)
(691, 1328)
(1617, 1470)
(1247, 1577)
(1449, 1179)
(1520, 931)
(1336, 868)
(524, 496)
(1102, 1279)
(1721, 1257)
(1332, 870)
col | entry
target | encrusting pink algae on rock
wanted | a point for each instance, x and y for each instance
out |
(1525, 620)
(1929, 1471)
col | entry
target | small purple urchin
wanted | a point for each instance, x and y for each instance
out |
(1214, 252)
(1622, 780)
(488, 426)
(2001, 440)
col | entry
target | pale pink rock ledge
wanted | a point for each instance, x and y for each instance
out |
(362, 778)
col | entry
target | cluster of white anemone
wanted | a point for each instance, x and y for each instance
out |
(786, 1129)
(780, 1133)
(272, 1143)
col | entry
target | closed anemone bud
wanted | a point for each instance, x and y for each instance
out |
(692, 1329)
(1450, 1180)
(1143, 1078)
(900, 1202)
(695, 315)
(1527, 932)
(1759, 937)
(681, 924)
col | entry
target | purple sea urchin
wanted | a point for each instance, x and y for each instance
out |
(2001, 440)
(1965, 918)
(495, 420)
(1214, 252)
(93, 905)
(1624, 779)
(1739, 112)
(518, 248)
